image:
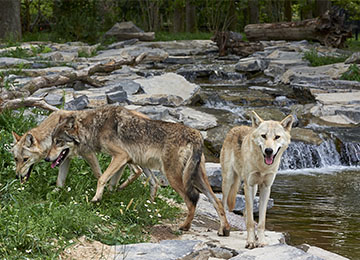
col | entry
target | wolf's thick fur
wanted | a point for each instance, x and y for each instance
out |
(173, 148)
(34, 145)
(253, 154)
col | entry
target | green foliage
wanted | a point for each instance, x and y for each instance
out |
(353, 73)
(316, 60)
(353, 45)
(23, 53)
(166, 36)
(39, 221)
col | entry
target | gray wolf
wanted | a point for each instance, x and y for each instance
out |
(252, 154)
(172, 148)
(33, 146)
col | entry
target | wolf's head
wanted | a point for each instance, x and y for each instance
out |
(272, 137)
(27, 151)
(64, 141)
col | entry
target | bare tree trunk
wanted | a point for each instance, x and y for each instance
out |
(287, 11)
(329, 29)
(232, 16)
(321, 6)
(254, 11)
(306, 10)
(10, 23)
(190, 16)
(178, 18)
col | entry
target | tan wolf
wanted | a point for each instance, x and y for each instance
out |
(253, 154)
(34, 145)
(172, 148)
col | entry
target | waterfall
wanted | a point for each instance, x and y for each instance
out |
(309, 156)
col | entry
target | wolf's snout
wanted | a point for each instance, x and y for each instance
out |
(47, 159)
(268, 151)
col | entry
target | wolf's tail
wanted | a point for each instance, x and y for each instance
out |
(193, 177)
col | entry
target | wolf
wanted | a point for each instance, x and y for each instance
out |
(33, 146)
(252, 155)
(172, 148)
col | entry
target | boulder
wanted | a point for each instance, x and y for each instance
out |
(251, 64)
(170, 84)
(60, 56)
(78, 103)
(128, 30)
(353, 59)
(278, 252)
(6, 62)
(196, 119)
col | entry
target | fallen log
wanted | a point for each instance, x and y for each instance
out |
(329, 29)
(231, 42)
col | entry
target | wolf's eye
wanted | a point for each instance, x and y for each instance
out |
(58, 142)
(25, 159)
(16, 159)
(263, 136)
(277, 137)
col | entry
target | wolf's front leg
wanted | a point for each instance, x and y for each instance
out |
(116, 163)
(264, 198)
(63, 171)
(250, 224)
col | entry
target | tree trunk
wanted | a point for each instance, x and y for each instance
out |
(178, 18)
(253, 11)
(321, 6)
(329, 29)
(306, 10)
(190, 16)
(287, 10)
(10, 23)
(232, 16)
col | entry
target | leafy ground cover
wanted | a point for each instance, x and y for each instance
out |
(38, 221)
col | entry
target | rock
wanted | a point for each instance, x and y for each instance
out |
(312, 74)
(122, 44)
(305, 135)
(285, 55)
(60, 56)
(354, 58)
(170, 84)
(116, 95)
(151, 54)
(54, 99)
(251, 64)
(179, 60)
(156, 99)
(10, 62)
(213, 172)
(78, 103)
(164, 250)
(128, 85)
(278, 252)
(196, 119)
(277, 68)
(128, 30)
(319, 252)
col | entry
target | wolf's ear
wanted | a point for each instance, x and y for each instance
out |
(256, 119)
(16, 137)
(287, 122)
(29, 140)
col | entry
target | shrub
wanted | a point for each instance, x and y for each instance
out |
(317, 60)
(353, 73)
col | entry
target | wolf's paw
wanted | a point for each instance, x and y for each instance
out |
(250, 244)
(94, 200)
(223, 232)
(184, 227)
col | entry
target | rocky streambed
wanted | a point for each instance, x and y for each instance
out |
(187, 82)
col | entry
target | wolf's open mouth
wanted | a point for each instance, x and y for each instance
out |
(25, 178)
(269, 159)
(60, 158)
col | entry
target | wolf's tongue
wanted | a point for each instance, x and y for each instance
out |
(269, 160)
(56, 162)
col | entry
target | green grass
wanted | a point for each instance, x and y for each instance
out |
(316, 60)
(38, 222)
(353, 45)
(21, 53)
(353, 73)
